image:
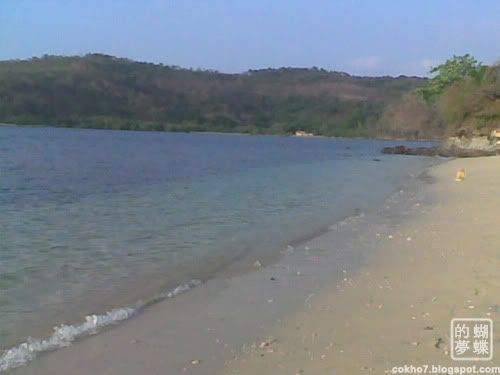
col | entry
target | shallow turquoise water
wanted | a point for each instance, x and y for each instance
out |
(92, 220)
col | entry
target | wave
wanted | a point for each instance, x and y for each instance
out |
(64, 335)
(358, 214)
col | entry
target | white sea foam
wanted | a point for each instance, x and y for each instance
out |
(64, 335)
(348, 220)
(181, 289)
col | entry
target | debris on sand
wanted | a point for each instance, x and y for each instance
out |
(460, 176)
(438, 343)
(267, 344)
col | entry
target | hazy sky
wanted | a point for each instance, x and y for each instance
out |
(374, 37)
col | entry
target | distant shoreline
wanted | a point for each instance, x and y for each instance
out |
(383, 138)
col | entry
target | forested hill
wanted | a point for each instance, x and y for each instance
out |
(99, 91)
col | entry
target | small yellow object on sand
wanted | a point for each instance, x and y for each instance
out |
(460, 175)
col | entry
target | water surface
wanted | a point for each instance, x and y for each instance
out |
(92, 220)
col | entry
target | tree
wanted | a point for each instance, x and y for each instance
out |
(472, 104)
(451, 72)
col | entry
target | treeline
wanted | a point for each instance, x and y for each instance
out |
(463, 98)
(100, 91)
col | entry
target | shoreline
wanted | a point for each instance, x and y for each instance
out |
(438, 264)
(153, 289)
(291, 265)
(107, 296)
(383, 138)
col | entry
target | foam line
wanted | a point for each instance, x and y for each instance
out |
(64, 335)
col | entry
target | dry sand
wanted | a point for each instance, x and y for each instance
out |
(372, 293)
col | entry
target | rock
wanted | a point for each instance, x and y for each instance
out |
(267, 343)
(438, 343)
(403, 150)
(480, 143)
(460, 147)
(464, 152)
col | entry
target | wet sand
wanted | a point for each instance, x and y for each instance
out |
(376, 291)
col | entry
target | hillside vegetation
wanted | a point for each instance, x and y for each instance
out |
(463, 98)
(99, 91)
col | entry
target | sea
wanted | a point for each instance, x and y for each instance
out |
(95, 225)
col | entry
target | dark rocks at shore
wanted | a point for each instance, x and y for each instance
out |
(438, 151)
(403, 150)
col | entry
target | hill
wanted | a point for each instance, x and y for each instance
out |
(100, 91)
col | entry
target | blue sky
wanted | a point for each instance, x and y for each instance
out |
(376, 37)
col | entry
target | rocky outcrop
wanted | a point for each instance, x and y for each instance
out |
(464, 153)
(403, 150)
(472, 143)
(451, 147)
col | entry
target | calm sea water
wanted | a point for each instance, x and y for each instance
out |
(91, 220)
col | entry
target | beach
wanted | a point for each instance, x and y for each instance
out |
(440, 264)
(375, 291)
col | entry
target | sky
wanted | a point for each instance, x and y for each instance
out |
(370, 37)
